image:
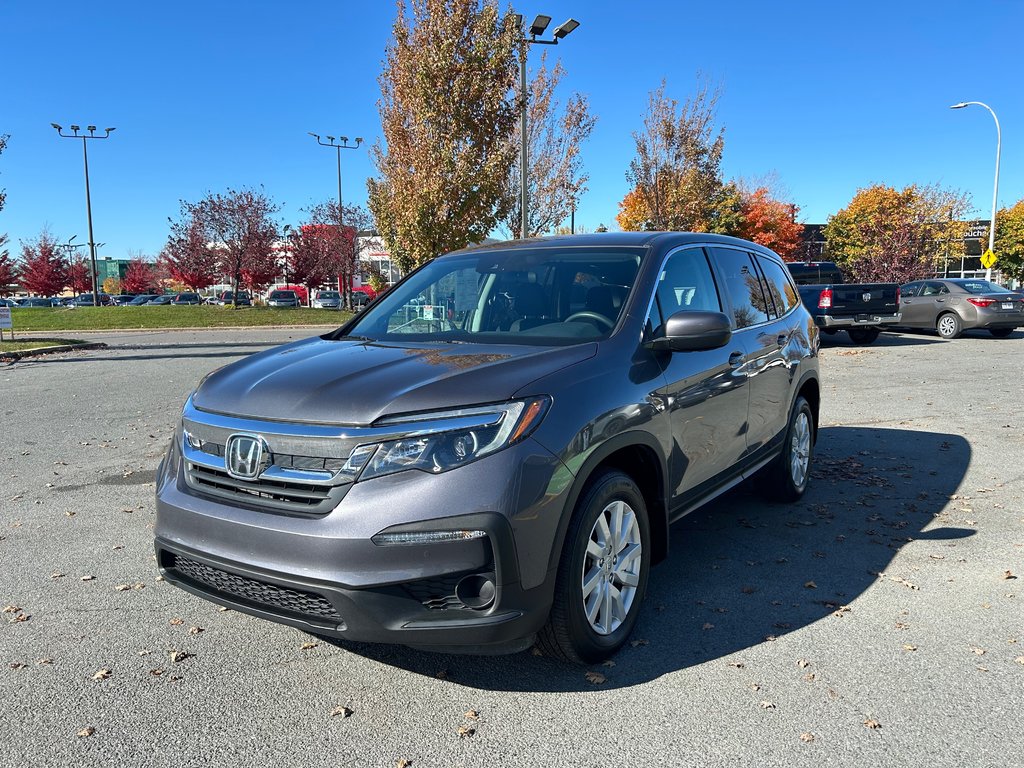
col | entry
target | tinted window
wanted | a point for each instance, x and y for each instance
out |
(814, 273)
(686, 283)
(910, 289)
(779, 285)
(742, 284)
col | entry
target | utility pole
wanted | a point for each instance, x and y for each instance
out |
(347, 290)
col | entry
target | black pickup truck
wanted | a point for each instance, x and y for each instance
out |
(863, 310)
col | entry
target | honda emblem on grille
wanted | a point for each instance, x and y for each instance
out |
(866, 296)
(243, 456)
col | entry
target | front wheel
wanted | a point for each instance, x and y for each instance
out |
(1001, 333)
(863, 336)
(786, 478)
(949, 325)
(602, 575)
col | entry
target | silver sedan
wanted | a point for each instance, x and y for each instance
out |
(953, 306)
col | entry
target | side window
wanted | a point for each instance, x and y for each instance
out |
(934, 289)
(686, 283)
(781, 288)
(750, 305)
(909, 290)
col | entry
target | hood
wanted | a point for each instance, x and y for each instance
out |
(356, 382)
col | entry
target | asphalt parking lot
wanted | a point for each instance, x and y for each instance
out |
(878, 622)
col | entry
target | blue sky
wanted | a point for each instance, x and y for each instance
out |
(828, 97)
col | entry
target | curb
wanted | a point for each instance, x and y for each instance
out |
(14, 355)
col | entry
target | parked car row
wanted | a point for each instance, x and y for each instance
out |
(328, 299)
(949, 306)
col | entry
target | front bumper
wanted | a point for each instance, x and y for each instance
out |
(326, 575)
(857, 321)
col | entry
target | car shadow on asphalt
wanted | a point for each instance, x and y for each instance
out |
(743, 572)
(887, 339)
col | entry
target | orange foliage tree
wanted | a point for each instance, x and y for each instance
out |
(770, 223)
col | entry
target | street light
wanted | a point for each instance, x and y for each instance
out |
(540, 24)
(343, 145)
(88, 200)
(995, 188)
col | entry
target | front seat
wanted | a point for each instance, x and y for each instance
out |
(529, 301)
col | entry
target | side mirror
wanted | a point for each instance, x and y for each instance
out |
(692, 330)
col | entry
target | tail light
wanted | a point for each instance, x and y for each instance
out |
(825, 299)
(897, 295)
(981, 302)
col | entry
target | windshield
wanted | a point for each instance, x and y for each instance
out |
(542, 296)
(328, 295)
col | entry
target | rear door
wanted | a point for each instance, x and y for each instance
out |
(931, 301)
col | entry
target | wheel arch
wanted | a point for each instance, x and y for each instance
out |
(638, 455)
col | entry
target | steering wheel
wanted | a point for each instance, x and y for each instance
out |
(586, 314)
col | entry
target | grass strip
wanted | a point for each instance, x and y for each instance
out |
(118, 318)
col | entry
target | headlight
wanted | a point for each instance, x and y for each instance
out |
(433, 446)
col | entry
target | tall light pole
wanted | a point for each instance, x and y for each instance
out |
(341, 211)
(88, 200)
(995, 187)
(536, 29)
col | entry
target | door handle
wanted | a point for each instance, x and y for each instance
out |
(736, 359)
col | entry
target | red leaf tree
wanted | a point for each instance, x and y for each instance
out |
(770, 223)
(79, 277)
(44, 267)
(139, 277)
(189, 258)
(237, 231)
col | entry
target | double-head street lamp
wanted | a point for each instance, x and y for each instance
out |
(88, 200)
(338, 146)
(995, 188)
(540, 24)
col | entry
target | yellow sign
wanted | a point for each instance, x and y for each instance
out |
(988, 259)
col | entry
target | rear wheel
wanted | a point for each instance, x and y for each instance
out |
(602, 575)
(786, 478)
(863, 336)
(949, 326)
(1001, 333)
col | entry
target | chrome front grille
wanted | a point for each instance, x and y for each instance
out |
(298, 474)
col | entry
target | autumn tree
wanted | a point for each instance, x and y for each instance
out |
(79, 276)
(44, 267)
(891, 235)
(188, 257)
(677, 169)
(1010, 240)
(555, 179)
(236, 229)
(770, 223)
(8, 268)
(447, 111)
(324, 247)
(139, 277)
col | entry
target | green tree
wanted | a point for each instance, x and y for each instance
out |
(1010, 240)
(447, 111)
(896, 235)
(677, 169)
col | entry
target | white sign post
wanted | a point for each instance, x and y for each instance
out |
(5, 322)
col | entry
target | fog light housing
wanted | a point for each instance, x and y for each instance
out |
(426, 537)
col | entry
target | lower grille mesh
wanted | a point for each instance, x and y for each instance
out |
(279, 599)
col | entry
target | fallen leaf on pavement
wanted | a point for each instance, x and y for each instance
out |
(767, 705)
(88, 578)
(635, 643)
(807, 737)
(176, 621)
(595, 677)
(909, 647)
(1008, 575)
(872, 723)
(88, 731)
(103, 674)
(811, 585)
(472, 714)
(803, 663)
(343, 711)
(177, 656)
(465, 731)
(306, 646)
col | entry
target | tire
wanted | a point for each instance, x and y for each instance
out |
(582, 627)
(786, 478)
(863, 336)
(1001, 333)
(949, 326)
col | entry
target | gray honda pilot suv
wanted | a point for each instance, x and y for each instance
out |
(492, 453)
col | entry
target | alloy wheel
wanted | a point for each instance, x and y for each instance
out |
(611, 567)
(800, 449)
